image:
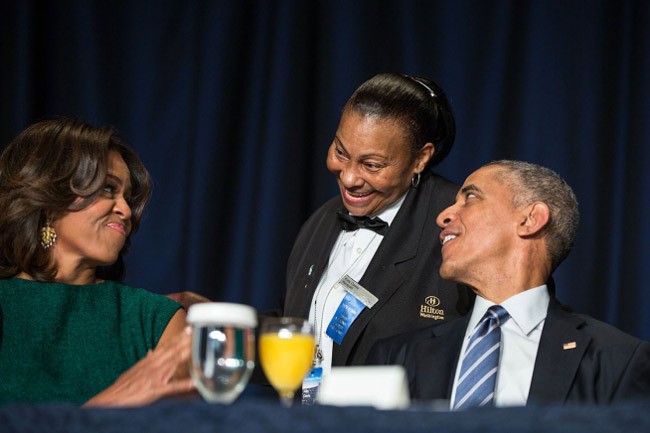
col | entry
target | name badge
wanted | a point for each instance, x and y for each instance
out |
(358, 291)
(310, 385)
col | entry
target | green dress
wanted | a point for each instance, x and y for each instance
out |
(66, 343)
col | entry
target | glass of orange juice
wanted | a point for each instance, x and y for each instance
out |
(286, 352)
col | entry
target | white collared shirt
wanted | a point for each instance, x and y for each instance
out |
(351, 255)
(520, 337)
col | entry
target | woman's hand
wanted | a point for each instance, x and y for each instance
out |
(162, 373)
(187, 299)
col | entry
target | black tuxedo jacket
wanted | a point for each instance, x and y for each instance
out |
(403, 274)
(579, 359)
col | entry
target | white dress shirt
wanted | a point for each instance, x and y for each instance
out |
(351, 255)
(520, 337)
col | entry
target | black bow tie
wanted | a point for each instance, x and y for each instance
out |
(351, 223)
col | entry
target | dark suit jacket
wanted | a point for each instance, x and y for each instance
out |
(403, 274)
(606, 364)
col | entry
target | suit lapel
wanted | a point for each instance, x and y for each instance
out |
(561, 349)
(313, 265)
(437, 354)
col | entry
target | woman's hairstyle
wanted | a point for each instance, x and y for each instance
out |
(53, 167)
(417, 103)
(530, 183)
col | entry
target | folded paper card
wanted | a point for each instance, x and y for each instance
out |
(383, 387)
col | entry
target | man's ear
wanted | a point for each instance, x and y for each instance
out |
(535, 217)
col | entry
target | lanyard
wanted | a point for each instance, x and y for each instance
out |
(318, 319)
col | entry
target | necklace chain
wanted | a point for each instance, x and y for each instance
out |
(319, 329)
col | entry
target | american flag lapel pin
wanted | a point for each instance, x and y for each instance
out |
(570, 345)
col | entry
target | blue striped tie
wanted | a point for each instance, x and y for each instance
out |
(478, 372)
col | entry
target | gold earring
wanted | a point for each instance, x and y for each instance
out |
(48, 236)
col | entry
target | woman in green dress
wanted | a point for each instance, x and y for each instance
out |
(71, 196)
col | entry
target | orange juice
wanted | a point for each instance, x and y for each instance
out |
(286, 361)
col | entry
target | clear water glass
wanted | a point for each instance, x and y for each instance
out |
(223, 349)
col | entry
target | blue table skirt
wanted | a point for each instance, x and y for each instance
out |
(264, 415)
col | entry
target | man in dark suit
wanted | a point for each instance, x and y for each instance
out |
(512, 224)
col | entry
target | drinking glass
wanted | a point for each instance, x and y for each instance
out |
(223, 349)
(286, 353)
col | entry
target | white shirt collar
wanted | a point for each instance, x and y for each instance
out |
(527, 309)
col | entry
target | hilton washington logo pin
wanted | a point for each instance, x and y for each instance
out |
(430, 309)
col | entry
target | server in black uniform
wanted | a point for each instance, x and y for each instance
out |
(365, 265)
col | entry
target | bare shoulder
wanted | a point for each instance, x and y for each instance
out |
(175, 326)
